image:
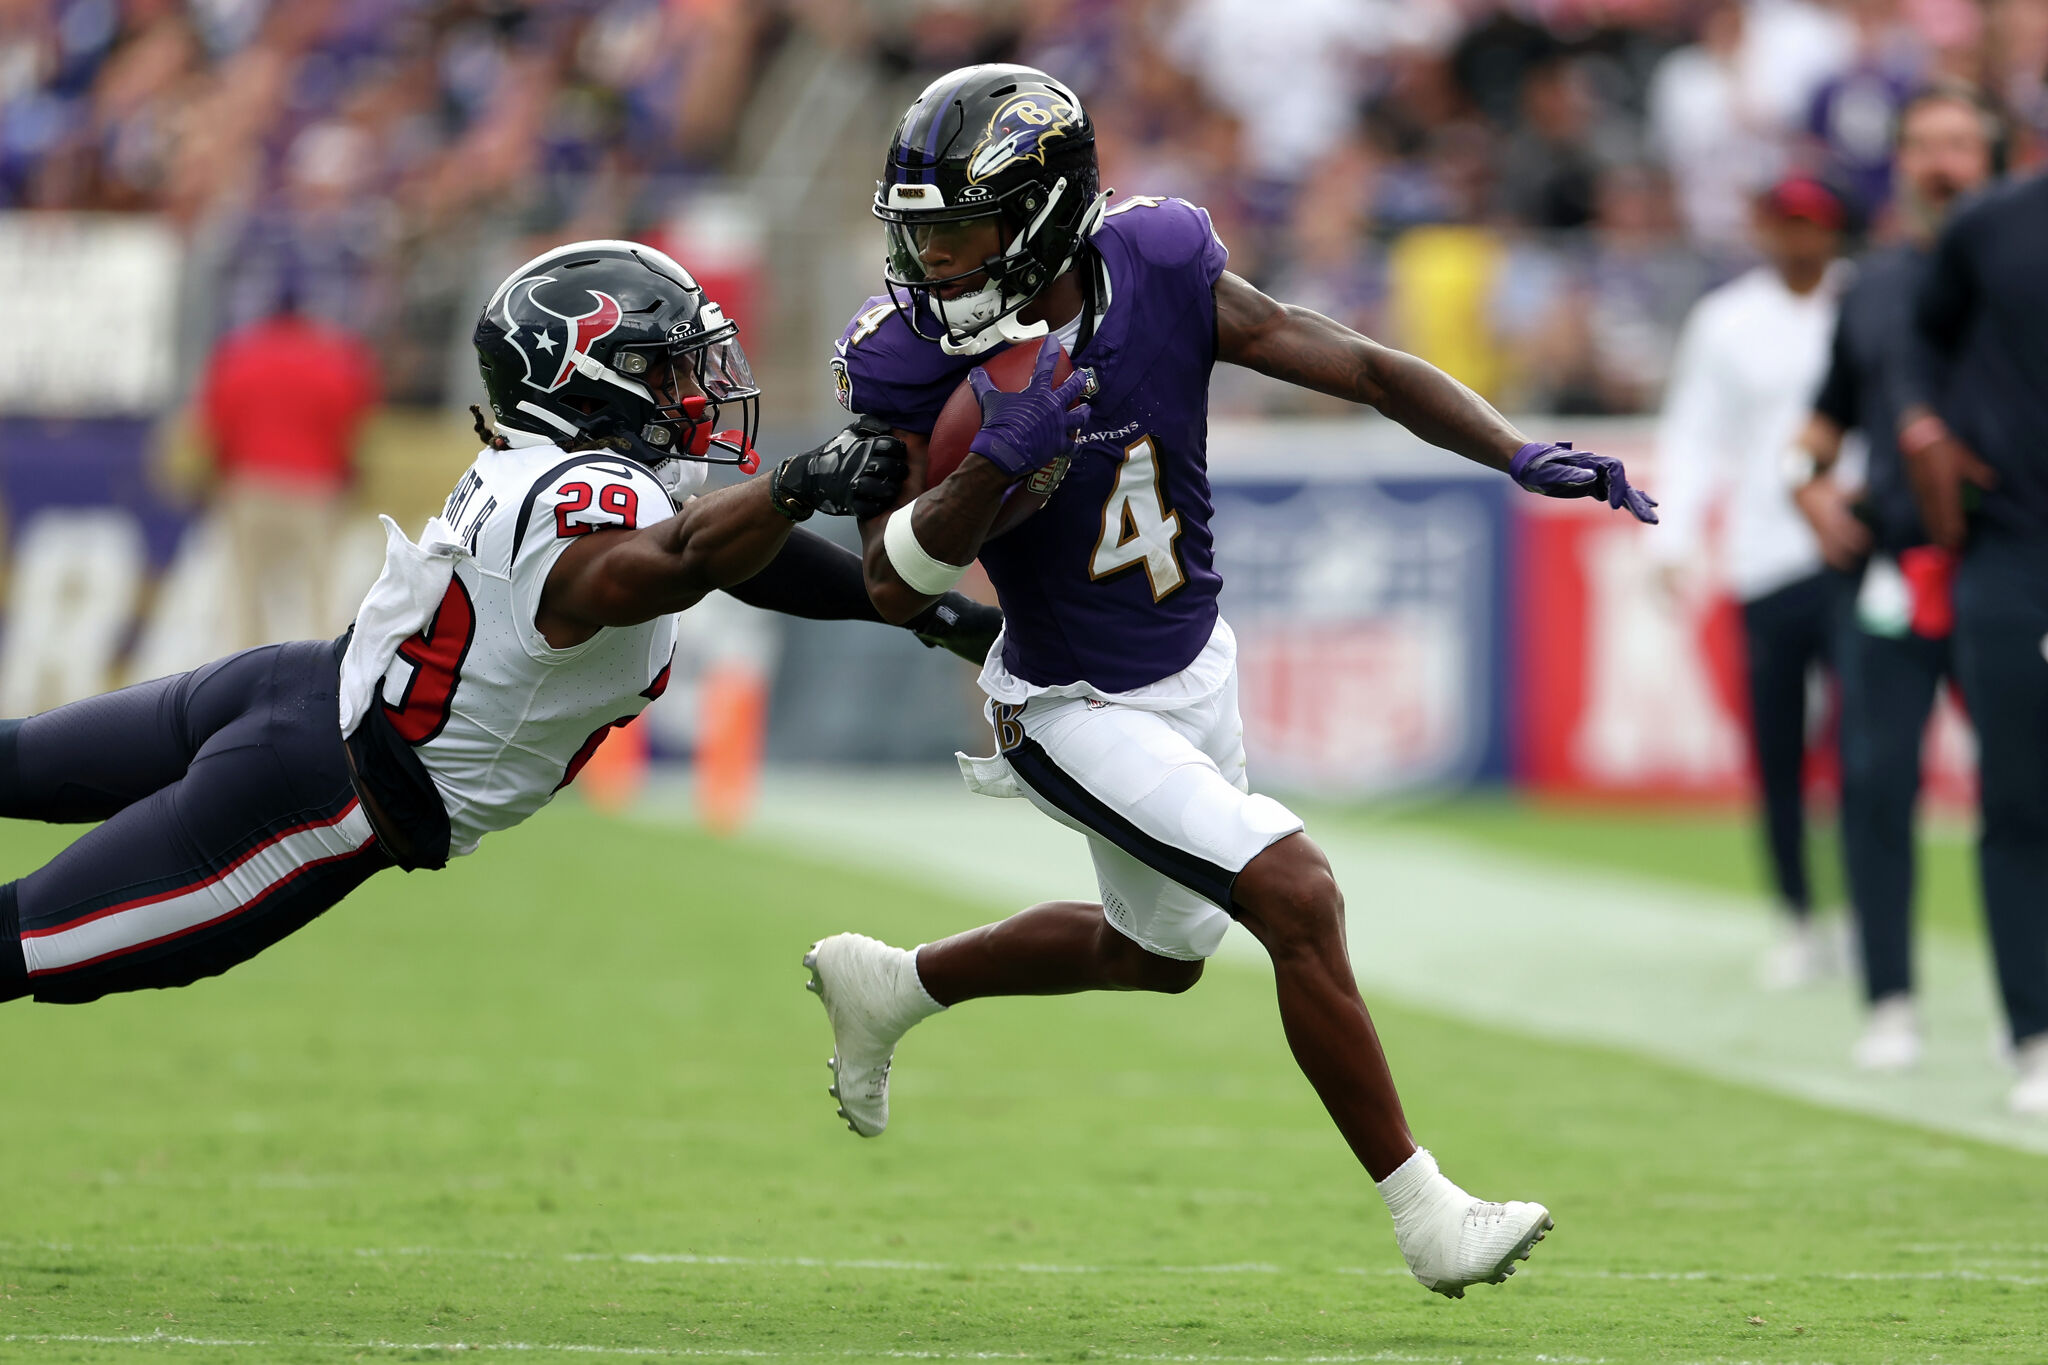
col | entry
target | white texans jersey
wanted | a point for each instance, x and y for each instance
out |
(501, 719)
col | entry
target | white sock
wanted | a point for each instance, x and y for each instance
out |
(1417, 1192)
(919, 999)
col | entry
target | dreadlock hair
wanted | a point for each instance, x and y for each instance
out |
(485, 432)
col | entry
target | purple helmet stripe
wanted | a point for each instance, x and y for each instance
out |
(931, 146)
(904, 175)
(925, 175)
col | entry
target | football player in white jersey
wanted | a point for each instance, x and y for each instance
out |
(538, 611)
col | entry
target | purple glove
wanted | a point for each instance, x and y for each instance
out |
(1558, 471)
(1031, 428)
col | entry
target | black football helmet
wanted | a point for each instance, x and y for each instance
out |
(1000, 141)
(570, 339)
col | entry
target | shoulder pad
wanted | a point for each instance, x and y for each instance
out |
(589, 491)
(881, 368)
(1165, 232)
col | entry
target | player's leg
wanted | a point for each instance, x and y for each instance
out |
(1057, 948)
(1888, 688)
(1151, 788)
(89, 759)
(2001, 623)
(1169, 834)
(1779, 653)
(874, 993)
(1288, 898)
(259, 836)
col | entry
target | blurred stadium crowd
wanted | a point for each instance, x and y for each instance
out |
(1530, 194)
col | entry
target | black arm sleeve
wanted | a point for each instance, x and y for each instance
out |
(811, 578)
(1837, 399)
(816, 579)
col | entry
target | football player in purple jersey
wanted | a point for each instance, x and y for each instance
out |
(1113, 689)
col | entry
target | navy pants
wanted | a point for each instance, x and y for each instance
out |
(228, 821)
(1787, 633)
(2001, 648)
(1888, 691)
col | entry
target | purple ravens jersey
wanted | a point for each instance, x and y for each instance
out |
(1113, 583)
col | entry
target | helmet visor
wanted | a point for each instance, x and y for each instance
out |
(934, 252)
(723, 372)
(695, 388)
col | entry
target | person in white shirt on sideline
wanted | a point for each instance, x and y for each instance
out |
(1749, 360)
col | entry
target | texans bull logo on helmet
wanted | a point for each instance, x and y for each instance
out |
(548, 338)
(1019, 131)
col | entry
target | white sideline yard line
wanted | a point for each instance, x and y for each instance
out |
(689, 1260)
(734, 1352)
(1632, 963)
(749, 1353)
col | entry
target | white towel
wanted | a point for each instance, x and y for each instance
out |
(399, 605)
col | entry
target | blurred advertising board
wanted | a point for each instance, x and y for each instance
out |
(1626, 689)
(1622, 689)
(90, 313)
(1364, 576)
(87, 364)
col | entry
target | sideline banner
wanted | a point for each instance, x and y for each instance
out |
(1364, 578)
(91, 313)
(1621, 691)
(1625, 692)
(86, 366)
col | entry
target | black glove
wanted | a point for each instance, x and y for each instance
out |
(959, 623)
(857, 473)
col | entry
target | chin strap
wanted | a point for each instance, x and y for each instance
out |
(1006, 329)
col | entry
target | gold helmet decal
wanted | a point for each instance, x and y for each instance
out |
(1019, 131)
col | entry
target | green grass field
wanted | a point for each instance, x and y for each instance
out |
(566, 1100)
(1718, 849)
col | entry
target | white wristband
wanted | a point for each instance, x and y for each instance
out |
(917, 569)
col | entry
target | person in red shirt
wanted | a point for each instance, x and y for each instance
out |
(282, 404)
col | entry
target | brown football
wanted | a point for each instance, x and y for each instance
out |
(960, 421)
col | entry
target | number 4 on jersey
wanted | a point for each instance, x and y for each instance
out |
(1136, 527)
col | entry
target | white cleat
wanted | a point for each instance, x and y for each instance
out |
(1891, 1038)
(872, 997)
(2029, 1098)
(1451, 1240)
(1481, 1247)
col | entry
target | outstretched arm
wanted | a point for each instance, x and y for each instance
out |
(621, 578)
(818, 580)
(1303, 347)
(810, 577)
